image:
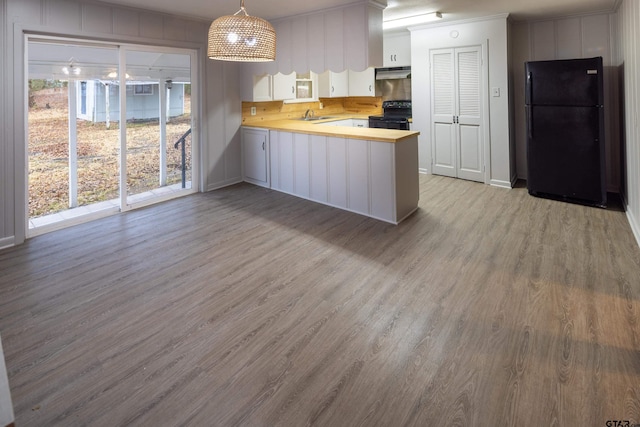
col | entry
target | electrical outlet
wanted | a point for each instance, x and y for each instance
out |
(321, 105)
(253, 111)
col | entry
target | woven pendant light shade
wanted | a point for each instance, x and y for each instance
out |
(241, 37)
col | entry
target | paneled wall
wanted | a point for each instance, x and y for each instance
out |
(566, 38)
(628, 64)
(85, 19)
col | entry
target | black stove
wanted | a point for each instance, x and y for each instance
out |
(396, 115)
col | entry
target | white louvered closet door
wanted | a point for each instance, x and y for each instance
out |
(457, 113)
(443, 111)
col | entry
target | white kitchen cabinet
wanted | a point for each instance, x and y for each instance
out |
(262, 88)
(345, 122)
(362, 83)
(255, 156)
(333, 85)
(284, 86)
(356, 123)
(397, 49)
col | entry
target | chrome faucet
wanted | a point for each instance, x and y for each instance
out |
(308, 113)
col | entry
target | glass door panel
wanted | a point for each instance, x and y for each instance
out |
(158, 114)
(72, 148)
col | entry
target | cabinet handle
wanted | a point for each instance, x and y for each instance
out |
(293, 89)
(369, 88)
(332, 89)
(262, 145)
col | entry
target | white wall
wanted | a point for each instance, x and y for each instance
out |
(219, 124)
(567, 38)
(493, 32)
(628, 63)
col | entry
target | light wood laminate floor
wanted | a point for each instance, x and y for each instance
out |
(248, 307)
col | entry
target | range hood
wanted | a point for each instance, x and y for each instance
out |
(393, 73)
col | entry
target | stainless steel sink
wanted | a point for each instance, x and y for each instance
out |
(310, 119)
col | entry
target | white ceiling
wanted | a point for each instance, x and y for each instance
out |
(451, 9)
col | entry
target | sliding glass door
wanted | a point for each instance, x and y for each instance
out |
(110, 128)
(158, 116)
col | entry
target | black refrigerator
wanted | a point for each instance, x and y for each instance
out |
(565, 130)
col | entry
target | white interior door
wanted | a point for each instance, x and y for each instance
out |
(468, 68)
(457, 113)
(443, 111)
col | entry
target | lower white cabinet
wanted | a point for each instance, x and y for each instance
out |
(255, 156)
(360, 123)
(377, 179)
(356, 123)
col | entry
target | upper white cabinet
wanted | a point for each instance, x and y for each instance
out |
(397, 49)
(347, 83)
(362, 83)
(333, 85)
(262, 88)
(284, 86)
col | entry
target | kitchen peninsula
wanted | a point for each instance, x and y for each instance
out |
(373, 172)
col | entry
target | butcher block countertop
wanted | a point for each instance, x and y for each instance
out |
(315, 127)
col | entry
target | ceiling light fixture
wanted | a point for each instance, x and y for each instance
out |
(411, 20)
(240, 37)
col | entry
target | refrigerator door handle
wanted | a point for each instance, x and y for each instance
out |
(529, 93)
(530, 121)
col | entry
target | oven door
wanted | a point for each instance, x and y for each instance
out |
(382, 123)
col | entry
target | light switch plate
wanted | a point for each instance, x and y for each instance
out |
(495, 92)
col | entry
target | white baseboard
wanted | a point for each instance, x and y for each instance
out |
(7, 242)
(500, 183)
(225, 183)
(423, 171)
(635, 225)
